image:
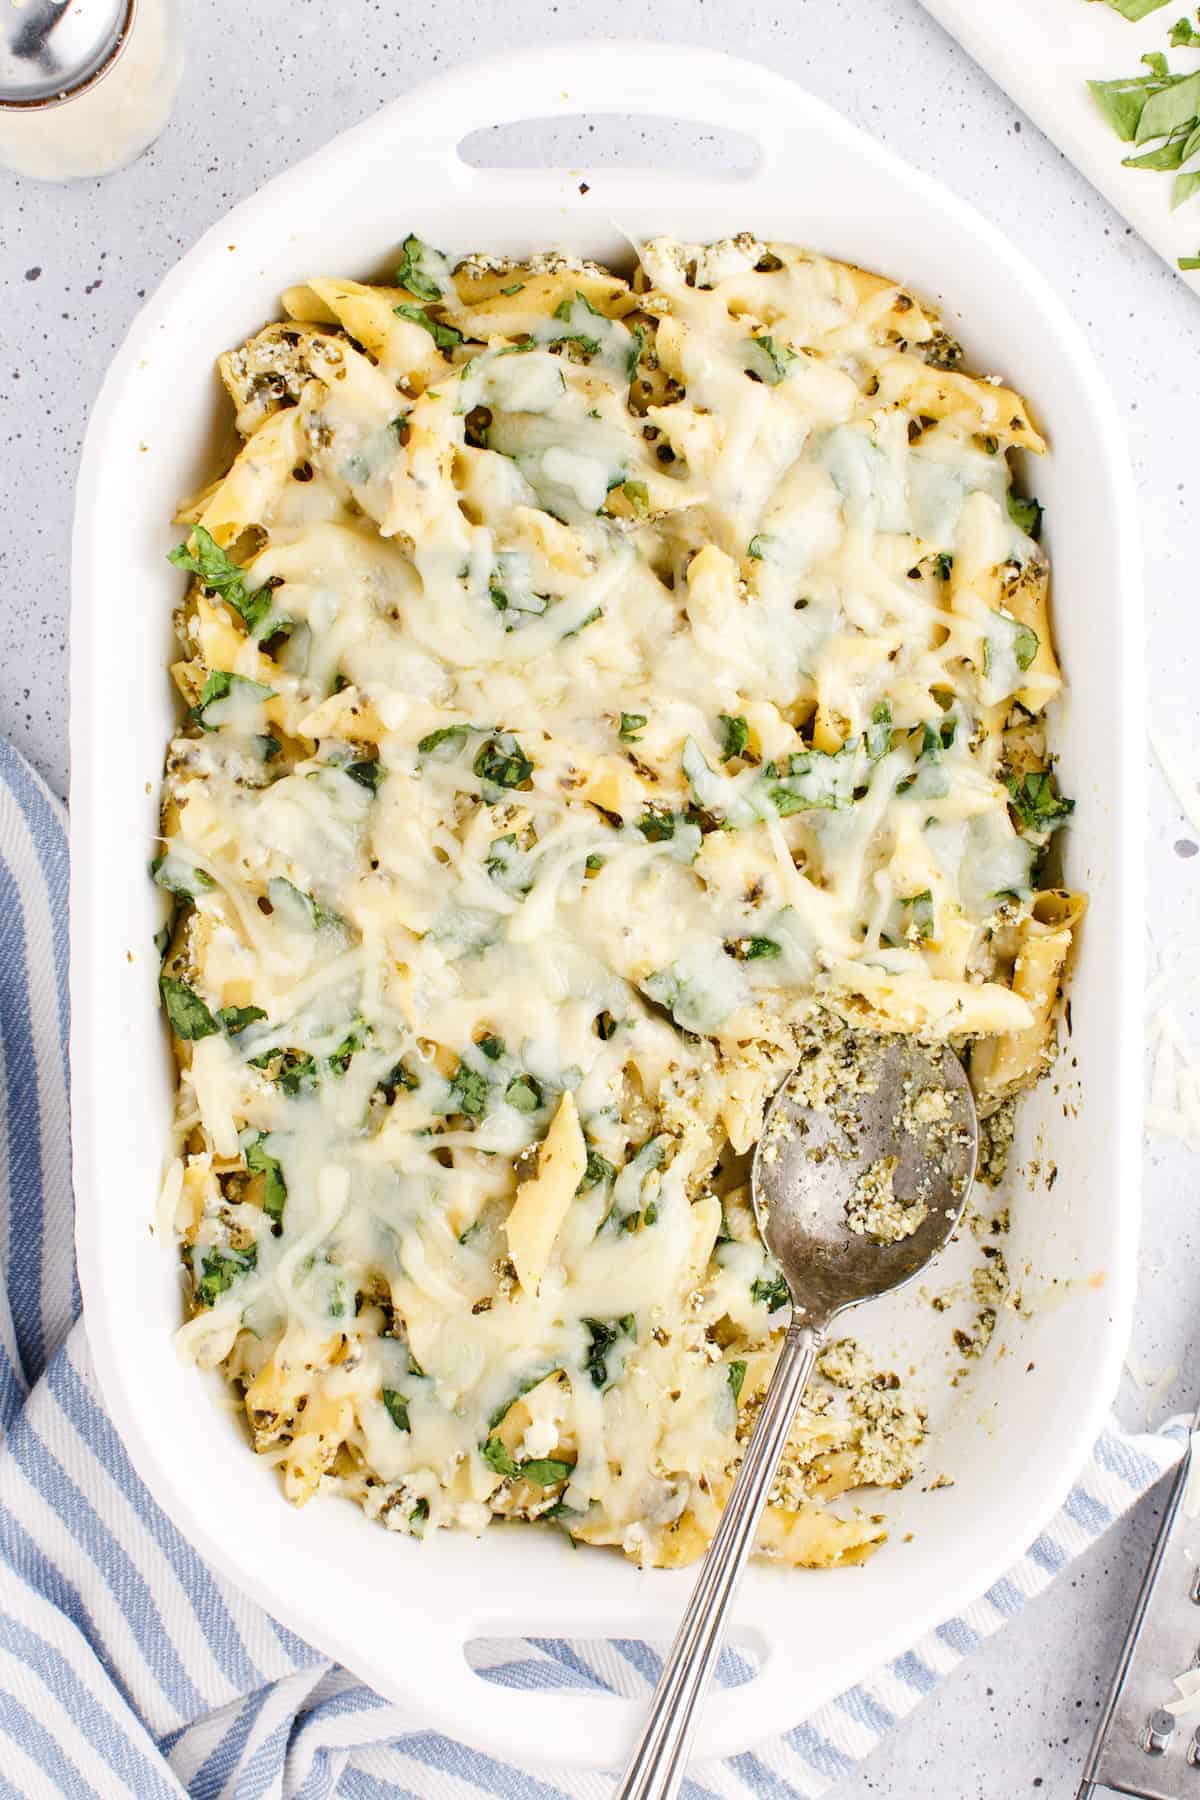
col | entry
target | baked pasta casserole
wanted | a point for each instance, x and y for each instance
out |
(600, 693)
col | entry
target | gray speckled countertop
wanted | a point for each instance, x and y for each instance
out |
(268, 83)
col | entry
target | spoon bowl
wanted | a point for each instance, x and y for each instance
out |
(897, 1116)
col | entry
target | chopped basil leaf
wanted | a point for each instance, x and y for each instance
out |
(517, 287)
(598, 1173)
(771, 1292)
(755, 949)
(878, 735)
(546, 1471)
(631, 726)
(469, 1091)
(219, 686)
(638, 496)
(497, 1455)
(1039, 807)
(397, 1077)
(179, 876)
(1026, 515)
(190, 1018)
(492, 1047)
(444, 336)
(735, 735)
(219, 1269)
(236, 1018)
(523, 1093)
(604, 1334)
(368, 774)
(769, 360)
(413, 273)
(503, 762)
(453, 736)
(397, 1408)
(260, 1162)
(339, 1060)
(1184, 35)
(223, 577)
(736, 1373)
(757, 547)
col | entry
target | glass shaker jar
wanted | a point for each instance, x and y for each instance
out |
(85, 85)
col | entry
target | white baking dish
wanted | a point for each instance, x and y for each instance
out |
(397, 1611)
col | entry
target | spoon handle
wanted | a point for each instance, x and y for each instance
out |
(657, 1766)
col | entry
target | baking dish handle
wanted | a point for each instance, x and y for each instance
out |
(604, 75)
(590, 1729)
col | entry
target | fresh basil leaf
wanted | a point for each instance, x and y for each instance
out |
(768, 359)
(758, 949)
(397, 1077)
(770, 1291)
(413, 272)
(219, 1269)
(631, 727)
(1171, 108)
(222, 576)
(736, 1373)
(219, 686)
(604, 1334)
(339, 1060)
(756, 549)
(449, 738)
(233, 1019)
(523, 1093)
(469, 1090)
(368, 773)
(397, 1408)
(546, 1471)
(446, 337)
(180, 876)
(503, 762)
(878, 735)
(260, 1162)
(497, 1455)
(638, 344)
(1026, 515)
(1123, 102)
(1039, 807)
(190, 1019)
(735, 735)
(598, 1173)
(492, 1047)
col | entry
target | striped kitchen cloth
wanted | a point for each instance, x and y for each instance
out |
(128, 1667)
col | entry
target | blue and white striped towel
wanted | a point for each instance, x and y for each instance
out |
(127, 1667)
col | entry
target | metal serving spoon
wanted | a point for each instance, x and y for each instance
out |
(810, 1165)
(49, 49)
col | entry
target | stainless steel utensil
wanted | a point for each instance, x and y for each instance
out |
(1139, 1748)
(811, 1163)
(50, 49)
